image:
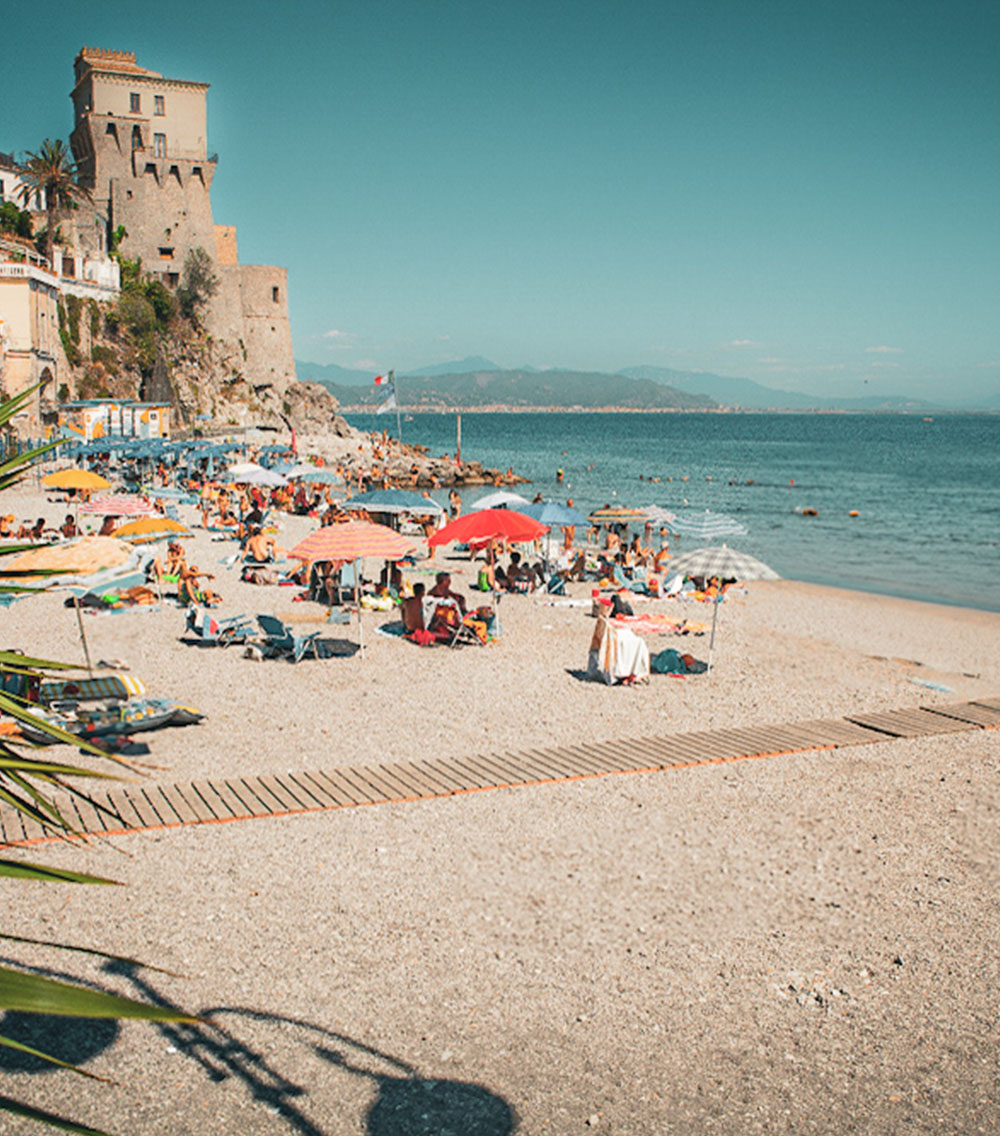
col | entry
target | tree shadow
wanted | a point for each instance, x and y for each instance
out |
(406, 1104)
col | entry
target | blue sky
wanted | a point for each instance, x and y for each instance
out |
(802, 193)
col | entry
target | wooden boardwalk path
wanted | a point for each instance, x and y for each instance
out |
(135, 808)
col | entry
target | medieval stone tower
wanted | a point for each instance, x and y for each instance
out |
(141, 144)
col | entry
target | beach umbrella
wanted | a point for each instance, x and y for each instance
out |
(319, 476)
(119, 505)
(260, 476)
(353, 540)
(657, 516)
(727, 564)
(617, 515)
(502, 499)
(235, 472)
(392, 501)
(75, 479)
(79, 557)
(489, 524)
(149, 529)
(554, 514)
(305, 470)
(705, 525)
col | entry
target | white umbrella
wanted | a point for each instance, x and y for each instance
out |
(502, 499)
(725, 563)
(261, 477)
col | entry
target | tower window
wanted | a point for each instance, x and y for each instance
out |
(274, 295)
(160, 145)
(135, 102)
(158, 107)
(136, 138)
(166, 254)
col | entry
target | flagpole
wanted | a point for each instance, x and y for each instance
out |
(399, 425)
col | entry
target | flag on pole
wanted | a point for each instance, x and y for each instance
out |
(380, 380)
(389, 404)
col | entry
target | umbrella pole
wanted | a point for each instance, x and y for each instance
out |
(83, 636)
(357, 600)
(715, 618)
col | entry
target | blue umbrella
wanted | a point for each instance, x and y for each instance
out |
(553, 513)
(393, 501)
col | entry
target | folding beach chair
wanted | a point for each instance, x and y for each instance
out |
(209, 629)
(279, 639)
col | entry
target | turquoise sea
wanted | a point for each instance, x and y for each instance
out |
(927, 492)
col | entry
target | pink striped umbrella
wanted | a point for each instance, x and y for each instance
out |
(352, 541)
(119, 505)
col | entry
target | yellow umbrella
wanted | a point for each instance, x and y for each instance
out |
(151, 528)
(75, 479)
(79, 557)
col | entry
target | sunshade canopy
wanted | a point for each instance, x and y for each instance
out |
(83, 556)
(705, 525)
(150, 529)
(502, 499)
(118, 505)
(352, 540)
(75, 479)
(617, 514)
(721, 561)
(490, 524)
(553, 513)
(392, 501)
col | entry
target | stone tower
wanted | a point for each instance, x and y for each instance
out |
(140, 141)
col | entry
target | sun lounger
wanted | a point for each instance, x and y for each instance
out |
(209, 629)
(279, 639)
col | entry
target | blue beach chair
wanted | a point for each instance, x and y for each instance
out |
(279, 639)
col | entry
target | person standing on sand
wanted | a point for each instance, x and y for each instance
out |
(569, 531)
(455, 503)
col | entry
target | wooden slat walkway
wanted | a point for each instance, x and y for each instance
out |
(137, 808)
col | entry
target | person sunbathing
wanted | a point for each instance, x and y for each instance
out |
(68, 527)
(260, 548)
(108, 526)
(7, 525)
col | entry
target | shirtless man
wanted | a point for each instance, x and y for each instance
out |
(259, 548)
(442, 590)
(412, 609)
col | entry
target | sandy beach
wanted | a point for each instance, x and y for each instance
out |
(801, 944)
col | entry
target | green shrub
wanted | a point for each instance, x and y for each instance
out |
(162, 301)
(15, 221)
(74, 308)
(106, 356)
(95, 318)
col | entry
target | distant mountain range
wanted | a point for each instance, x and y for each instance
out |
(729, 391)
(525, 389)
(476, 382)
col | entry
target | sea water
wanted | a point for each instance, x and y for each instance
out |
(927, 492)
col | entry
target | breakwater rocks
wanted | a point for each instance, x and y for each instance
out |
(379, 459)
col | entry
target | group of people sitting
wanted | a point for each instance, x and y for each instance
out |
(429, 616)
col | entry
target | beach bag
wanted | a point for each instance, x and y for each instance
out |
(668, 662)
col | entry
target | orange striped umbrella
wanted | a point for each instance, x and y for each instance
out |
(351, 541)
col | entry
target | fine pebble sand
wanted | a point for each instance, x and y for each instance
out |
(801, 944)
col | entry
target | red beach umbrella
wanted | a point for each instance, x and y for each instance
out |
(490, 524)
